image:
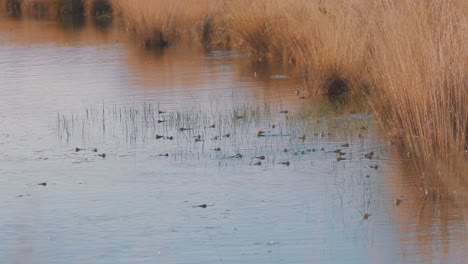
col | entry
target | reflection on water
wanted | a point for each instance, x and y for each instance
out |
(187, 176)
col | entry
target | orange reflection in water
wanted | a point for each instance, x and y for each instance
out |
(81, 30)
(426, 227)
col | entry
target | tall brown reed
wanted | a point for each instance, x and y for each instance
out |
(419, 75)
(330, 46)
(160, 23)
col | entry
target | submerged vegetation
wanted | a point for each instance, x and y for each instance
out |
(409, 58)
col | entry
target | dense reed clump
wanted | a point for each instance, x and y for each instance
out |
(330, 46)
(259, 28)
(57, 8)
(419, 65)
(13, 7)
(161, 23)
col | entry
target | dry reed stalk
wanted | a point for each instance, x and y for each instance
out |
(330, 46)
(325, 41)
(160, 23)
(260, 27)
(420, 80)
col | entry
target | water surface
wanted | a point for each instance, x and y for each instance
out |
(66, 88)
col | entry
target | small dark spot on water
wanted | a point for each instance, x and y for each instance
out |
(272, 243)
(397, 201)
(237, 156)
(369, 155)
(42, 184)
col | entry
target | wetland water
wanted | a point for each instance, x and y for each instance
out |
(197, 183)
